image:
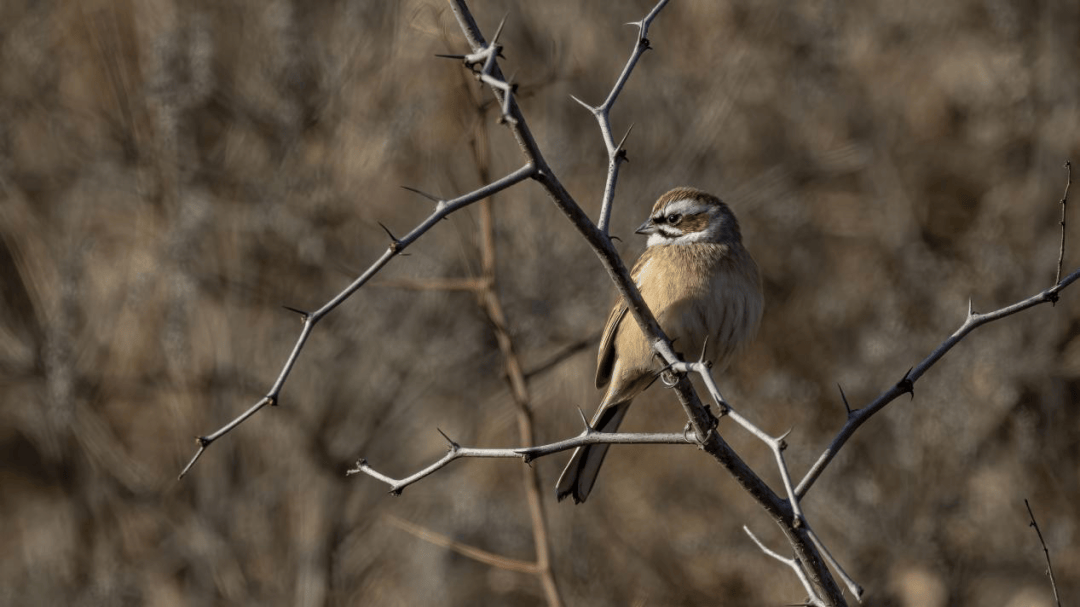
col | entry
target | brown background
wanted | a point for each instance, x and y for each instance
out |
(172, 172)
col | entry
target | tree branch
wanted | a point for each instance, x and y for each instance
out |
(602, 113)
(526, 454)
(1064, 203)
(442, 209)
(472, 552)
(796, 566)
(907, 384)
(700, 418)
(1046, 552)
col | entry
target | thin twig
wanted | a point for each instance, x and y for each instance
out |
(476, 554)
(526, 454)
(795, 565)
(853, 587)
(1064, 203)
(395, 248)
(777, 446)
(1046, 551)
(491, 303)
(602, 113)
(973, 321)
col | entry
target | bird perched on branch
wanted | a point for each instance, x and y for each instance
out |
(700, 283)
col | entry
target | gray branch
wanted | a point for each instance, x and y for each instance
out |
(442, 209)
(526, 454)
(700, 418)
(796, 566)
(906, 385)
(616, 153)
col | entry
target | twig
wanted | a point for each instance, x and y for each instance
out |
(972, 322)
(853, 587)
(395, 248)
(616, 153)
(526, 454)
(1046, 551)
(795, 565)
(491, 303)
(1064, 203)
(777, 446)
(476, 554)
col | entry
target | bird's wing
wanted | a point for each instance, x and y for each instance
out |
(605, 360)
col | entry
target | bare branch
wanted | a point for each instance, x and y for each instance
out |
(795, 565)
(527, 454)
(472, 552)
(700, 418)
(853, 587)
(972, 322)
(396, 247)
(616, 154)
(1064, 203)
(1046, 551)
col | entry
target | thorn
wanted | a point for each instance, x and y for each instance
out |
(624, 136)
(591, 109)
(971, 311)
(395, 244)
(906, 385)
(498, 30)
(704, 349)
(588, 427)
(442, 56)
(843, 397)
(453, 446)
(783, 445)
(302, 313)
(436, 200)
(615, 238)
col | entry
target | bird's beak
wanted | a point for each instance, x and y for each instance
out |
(649, 227)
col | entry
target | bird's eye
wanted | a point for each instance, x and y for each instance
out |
(673, 219)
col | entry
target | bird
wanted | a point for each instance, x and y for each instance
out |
(702, 286)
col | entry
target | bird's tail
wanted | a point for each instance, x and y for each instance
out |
(578, 477)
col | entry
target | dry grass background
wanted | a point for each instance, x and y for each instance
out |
(171, 172)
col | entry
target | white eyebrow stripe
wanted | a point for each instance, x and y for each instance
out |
(685, 206)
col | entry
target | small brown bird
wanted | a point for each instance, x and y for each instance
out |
(699, 282)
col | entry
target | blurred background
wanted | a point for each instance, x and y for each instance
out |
(172, 172)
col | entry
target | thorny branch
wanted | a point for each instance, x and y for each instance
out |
(1046, 551)
(442, 209)
(602, 112)
(906, 385)
(700, 418)
(526, 454)
(793, 563)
